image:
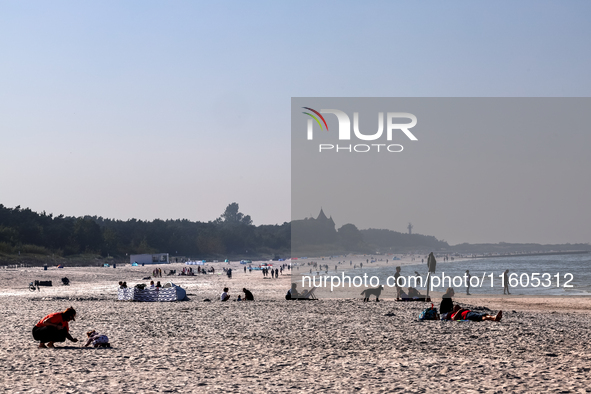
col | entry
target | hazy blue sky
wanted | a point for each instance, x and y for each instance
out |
(145, 109)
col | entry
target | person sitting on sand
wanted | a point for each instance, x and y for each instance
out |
(225, 296)
(152, 287)
(239, 298)
(292, 293)
(158, 285)
(248, 295)
(447, 304)
(54, 328)
(96, 339)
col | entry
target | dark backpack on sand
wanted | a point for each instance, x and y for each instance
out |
(429, 314)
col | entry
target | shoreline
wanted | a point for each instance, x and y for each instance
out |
(100, 283)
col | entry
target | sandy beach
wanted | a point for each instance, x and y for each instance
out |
(274, 345)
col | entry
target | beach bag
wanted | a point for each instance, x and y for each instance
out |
(100, 340)
(429, 314)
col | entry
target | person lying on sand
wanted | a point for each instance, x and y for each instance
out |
(466, 314)
(54, 328)
(459, 313)
(448, 315)
(96, 339)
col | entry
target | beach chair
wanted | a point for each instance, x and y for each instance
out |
(308, 294)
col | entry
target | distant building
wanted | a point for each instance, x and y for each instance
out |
(159, 258)
(324, 221)
(314, 231)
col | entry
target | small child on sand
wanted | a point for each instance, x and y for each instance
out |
(97, 339)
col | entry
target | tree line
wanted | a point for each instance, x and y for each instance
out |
(232, 235)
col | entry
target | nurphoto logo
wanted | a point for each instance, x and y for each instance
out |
(344, 132)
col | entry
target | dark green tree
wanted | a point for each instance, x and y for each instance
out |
(350, 236)
(87, 235)
(232, 215)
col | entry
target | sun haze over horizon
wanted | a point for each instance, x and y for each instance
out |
(174, 110)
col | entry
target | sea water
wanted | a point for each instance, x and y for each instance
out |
(559, 275)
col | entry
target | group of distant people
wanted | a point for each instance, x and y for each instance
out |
(273, 272)
(410, 294)
(225, 296)
(157, 272)
(154, 286)
(414, 293)
(188, 271)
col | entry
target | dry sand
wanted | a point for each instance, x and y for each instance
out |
(274, 345)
